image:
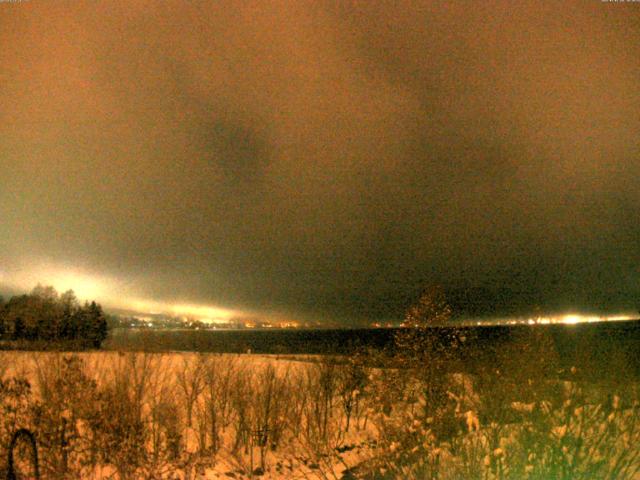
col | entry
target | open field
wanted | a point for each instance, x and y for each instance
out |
(205, 416)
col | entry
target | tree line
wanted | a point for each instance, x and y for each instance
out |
(46, 315)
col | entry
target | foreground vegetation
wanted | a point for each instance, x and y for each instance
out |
(430, 408)
(143, 415)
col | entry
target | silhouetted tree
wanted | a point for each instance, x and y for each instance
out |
(70, 306)
(97, 323)
(2, 311)
(418, 337)
(427, 348)
(45, 315)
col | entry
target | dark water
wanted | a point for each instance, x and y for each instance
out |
(570, 341)
(285, 341)
(601, 351)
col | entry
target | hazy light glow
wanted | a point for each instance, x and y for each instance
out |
(62, 278)
(205, 313)
(572, 319)
(566, 319)
(575, 318)
(114, 293)
(108, 291)
(620, 318)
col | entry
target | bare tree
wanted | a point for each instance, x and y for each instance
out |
(220, 378)
(190, 378)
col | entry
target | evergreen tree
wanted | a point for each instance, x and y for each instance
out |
(97, 325)
(45, 315)
(70, 306)
(2, 312)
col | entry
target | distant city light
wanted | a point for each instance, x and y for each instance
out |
(204, 313)
(571, 319)
(563, 319)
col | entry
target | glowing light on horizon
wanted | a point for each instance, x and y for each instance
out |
(571, 319)
(108, 291)
(621, 318)
(566, 319)
(205, 313)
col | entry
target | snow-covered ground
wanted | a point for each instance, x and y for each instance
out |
(193, 416)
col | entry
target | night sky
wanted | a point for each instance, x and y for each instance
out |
(322, 160)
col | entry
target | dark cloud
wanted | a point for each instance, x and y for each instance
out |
(325, 159)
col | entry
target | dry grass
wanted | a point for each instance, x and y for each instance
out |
(153, 415)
